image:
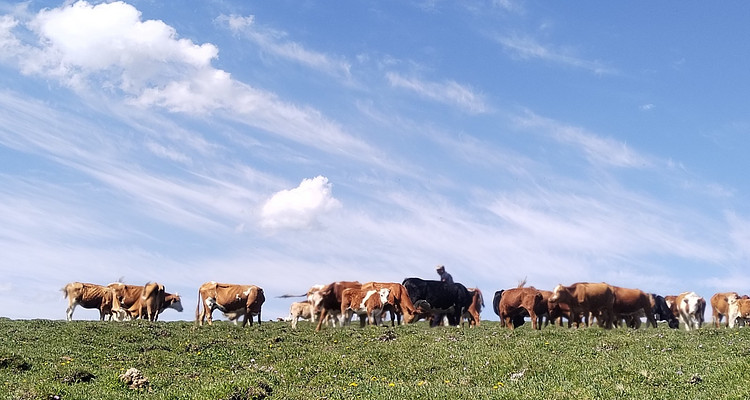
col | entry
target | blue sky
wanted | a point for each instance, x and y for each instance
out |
(286, 144)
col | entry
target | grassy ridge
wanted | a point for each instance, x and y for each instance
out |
(82, 360)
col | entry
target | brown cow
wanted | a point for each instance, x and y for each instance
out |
(587, 298)
(328, 299)
(475, 308)
(399, 302)
(365, 303)
(517, 300)
(89, 295)
(127, 295)
(138, 310)
(234, 299)
(720, 306)
(632, 304)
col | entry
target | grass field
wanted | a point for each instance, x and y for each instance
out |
(43, 359)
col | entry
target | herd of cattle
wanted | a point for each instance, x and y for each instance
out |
(415, 299)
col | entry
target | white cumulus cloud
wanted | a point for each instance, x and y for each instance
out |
(299, 208)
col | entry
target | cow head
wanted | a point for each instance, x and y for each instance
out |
(384, 293)
(560, 294)
(174, 301)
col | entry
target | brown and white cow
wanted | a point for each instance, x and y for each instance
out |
(327, 300)
(240, 300)
(365, 303)
(89, 295)
(739, 311)
(632, 304)
(399, 302)
(691, 309)
(587, 299)
(138, 310)
(475, 308)
(518, 300)
(720, 306)
(127, 295)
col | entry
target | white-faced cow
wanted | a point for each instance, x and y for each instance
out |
(439, 298)
(89, 295)
(239, 300)
(738, 311)
(720, 306)
(691, 309)
(399, 304)
(587, 299)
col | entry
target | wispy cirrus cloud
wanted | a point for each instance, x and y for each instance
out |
(598, 150)
(447, 92)
(275, 42)
(525, 47)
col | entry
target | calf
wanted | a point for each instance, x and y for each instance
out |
(517, 300)
(720, 306)
(438, 298)
(517, 320)
(365, 303)
(127, 295)
(662, 311)
(475, 308)
(300, 309)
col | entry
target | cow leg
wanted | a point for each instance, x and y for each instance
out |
(69, 311)
(323, 316)
(534, 322)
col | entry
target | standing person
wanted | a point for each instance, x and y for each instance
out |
(444, 276)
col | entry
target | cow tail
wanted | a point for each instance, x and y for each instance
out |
(65, 291)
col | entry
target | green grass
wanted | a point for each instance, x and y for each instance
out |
(83, 359)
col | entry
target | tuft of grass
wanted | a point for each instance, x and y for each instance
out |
(84, 359)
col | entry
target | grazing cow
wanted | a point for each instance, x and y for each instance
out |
(518, 320)
(662, 312)
(399, 302)
(720, 306)
(739, 311)
(517, 300)
(89, 295)
(231, 299)
(365, 303)
(127, 295)
(327, 301)
(438, 298)
(300, 309)
(691, 309)
(587, 298)
(633, 303)
(475, 308)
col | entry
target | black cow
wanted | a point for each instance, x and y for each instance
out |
(518, 319)
(663, 313)
(439, 298)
